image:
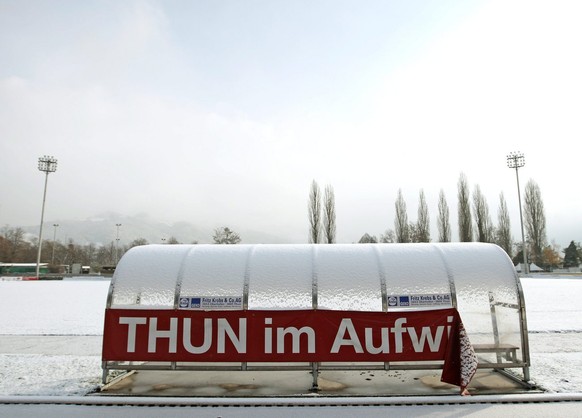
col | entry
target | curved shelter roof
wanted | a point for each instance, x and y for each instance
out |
(479, 278)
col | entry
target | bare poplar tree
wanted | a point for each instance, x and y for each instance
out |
(423, 221)
(314, 213)
(401, 227)
(482, 218)
(329, 225)
(413, 232)
(388, 237)
(443, 223)
(464, 210)
(535, 221)
(503, 233)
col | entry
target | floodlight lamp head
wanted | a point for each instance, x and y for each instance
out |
(48, 164)
(515, 160)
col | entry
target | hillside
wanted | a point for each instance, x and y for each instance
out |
(101, 230)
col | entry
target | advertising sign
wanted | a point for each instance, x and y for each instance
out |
(192, 335)
(211, 302)
(271, 336)
(432, 300)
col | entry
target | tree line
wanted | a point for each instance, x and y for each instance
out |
(473, 219)
(15, 247)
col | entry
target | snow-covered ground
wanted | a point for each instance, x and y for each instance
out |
(50, 334)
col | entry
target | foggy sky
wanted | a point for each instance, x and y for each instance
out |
(223, 112)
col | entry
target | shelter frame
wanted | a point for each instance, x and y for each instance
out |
(504, 356)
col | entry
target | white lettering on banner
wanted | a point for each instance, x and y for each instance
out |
(426, 335)
(171, 334)
(352, 340)
(187, 332)
(131, 330)
(296, 339)
(224, 328)
(268, 337)
(398, 331)
(283, 340)
(384, 346)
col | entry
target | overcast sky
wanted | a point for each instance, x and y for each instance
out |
(223, 112)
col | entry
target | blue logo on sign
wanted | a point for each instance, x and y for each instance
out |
(195, 303)
(404, 300)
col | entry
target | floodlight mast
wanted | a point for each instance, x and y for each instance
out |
(516, 160)
(46, 164)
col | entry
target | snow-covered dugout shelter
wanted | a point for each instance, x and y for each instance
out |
(252, 307)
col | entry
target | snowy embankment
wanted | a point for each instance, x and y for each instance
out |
(50, 334)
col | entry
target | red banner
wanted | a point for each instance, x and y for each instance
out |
(287, 336)
(276, 336)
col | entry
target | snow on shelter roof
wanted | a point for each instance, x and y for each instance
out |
(304, 276)
(477, 279)
(359, 277)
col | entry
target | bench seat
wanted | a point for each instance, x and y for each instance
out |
(509, 350)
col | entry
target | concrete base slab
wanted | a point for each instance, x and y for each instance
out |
(299, 383)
